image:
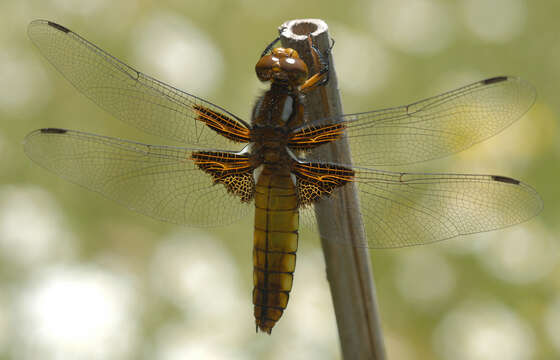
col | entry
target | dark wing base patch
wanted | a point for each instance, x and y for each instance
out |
(312, 136)
(222, 124)
(317, 180)
(234, 171)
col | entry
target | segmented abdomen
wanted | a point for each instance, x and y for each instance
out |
(275, 245)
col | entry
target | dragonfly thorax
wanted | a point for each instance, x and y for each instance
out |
(270, 145)
(271, 136)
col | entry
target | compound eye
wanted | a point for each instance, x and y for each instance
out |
(264, 67)
(295, 68)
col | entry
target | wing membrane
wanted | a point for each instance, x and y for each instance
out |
(130, 95)
(159, 181)
(437, 126)
(403, 209)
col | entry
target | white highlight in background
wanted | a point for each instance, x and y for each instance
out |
(170, 48)
(424, 277)
(31, 227)
(551, 319)
(521, 255)
(483, 331)
(413, 26)
(76, 312)
(26, 88)
(363, 65)
(497, 21)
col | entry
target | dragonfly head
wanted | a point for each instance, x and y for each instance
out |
(282, 65)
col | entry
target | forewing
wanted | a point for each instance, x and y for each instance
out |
(437, 126)
(159, 181)
(133, 97)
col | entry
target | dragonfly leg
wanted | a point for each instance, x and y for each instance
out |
(320, 60)
(270, 46)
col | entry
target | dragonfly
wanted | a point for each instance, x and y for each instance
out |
(230, 167)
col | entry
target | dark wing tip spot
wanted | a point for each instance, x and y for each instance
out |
(53, 131)
(58, 27)
(494, 80)
(505, 179)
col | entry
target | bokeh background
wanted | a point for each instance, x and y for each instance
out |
(84, 278)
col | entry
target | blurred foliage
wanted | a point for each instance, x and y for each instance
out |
(528, 150)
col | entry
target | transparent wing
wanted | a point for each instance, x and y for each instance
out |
(129, 95)
(437, 126)
(158, 181)
(404, 209)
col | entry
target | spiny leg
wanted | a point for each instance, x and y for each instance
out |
(321, 61)
(270, 46)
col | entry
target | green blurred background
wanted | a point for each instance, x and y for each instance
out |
(84, 278)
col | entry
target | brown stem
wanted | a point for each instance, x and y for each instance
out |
(348, 267)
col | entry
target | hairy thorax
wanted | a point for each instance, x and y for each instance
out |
(275, 115)
(270, 145)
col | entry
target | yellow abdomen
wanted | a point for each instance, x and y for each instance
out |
(275, 245)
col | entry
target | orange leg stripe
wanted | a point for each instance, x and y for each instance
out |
(312, 82)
